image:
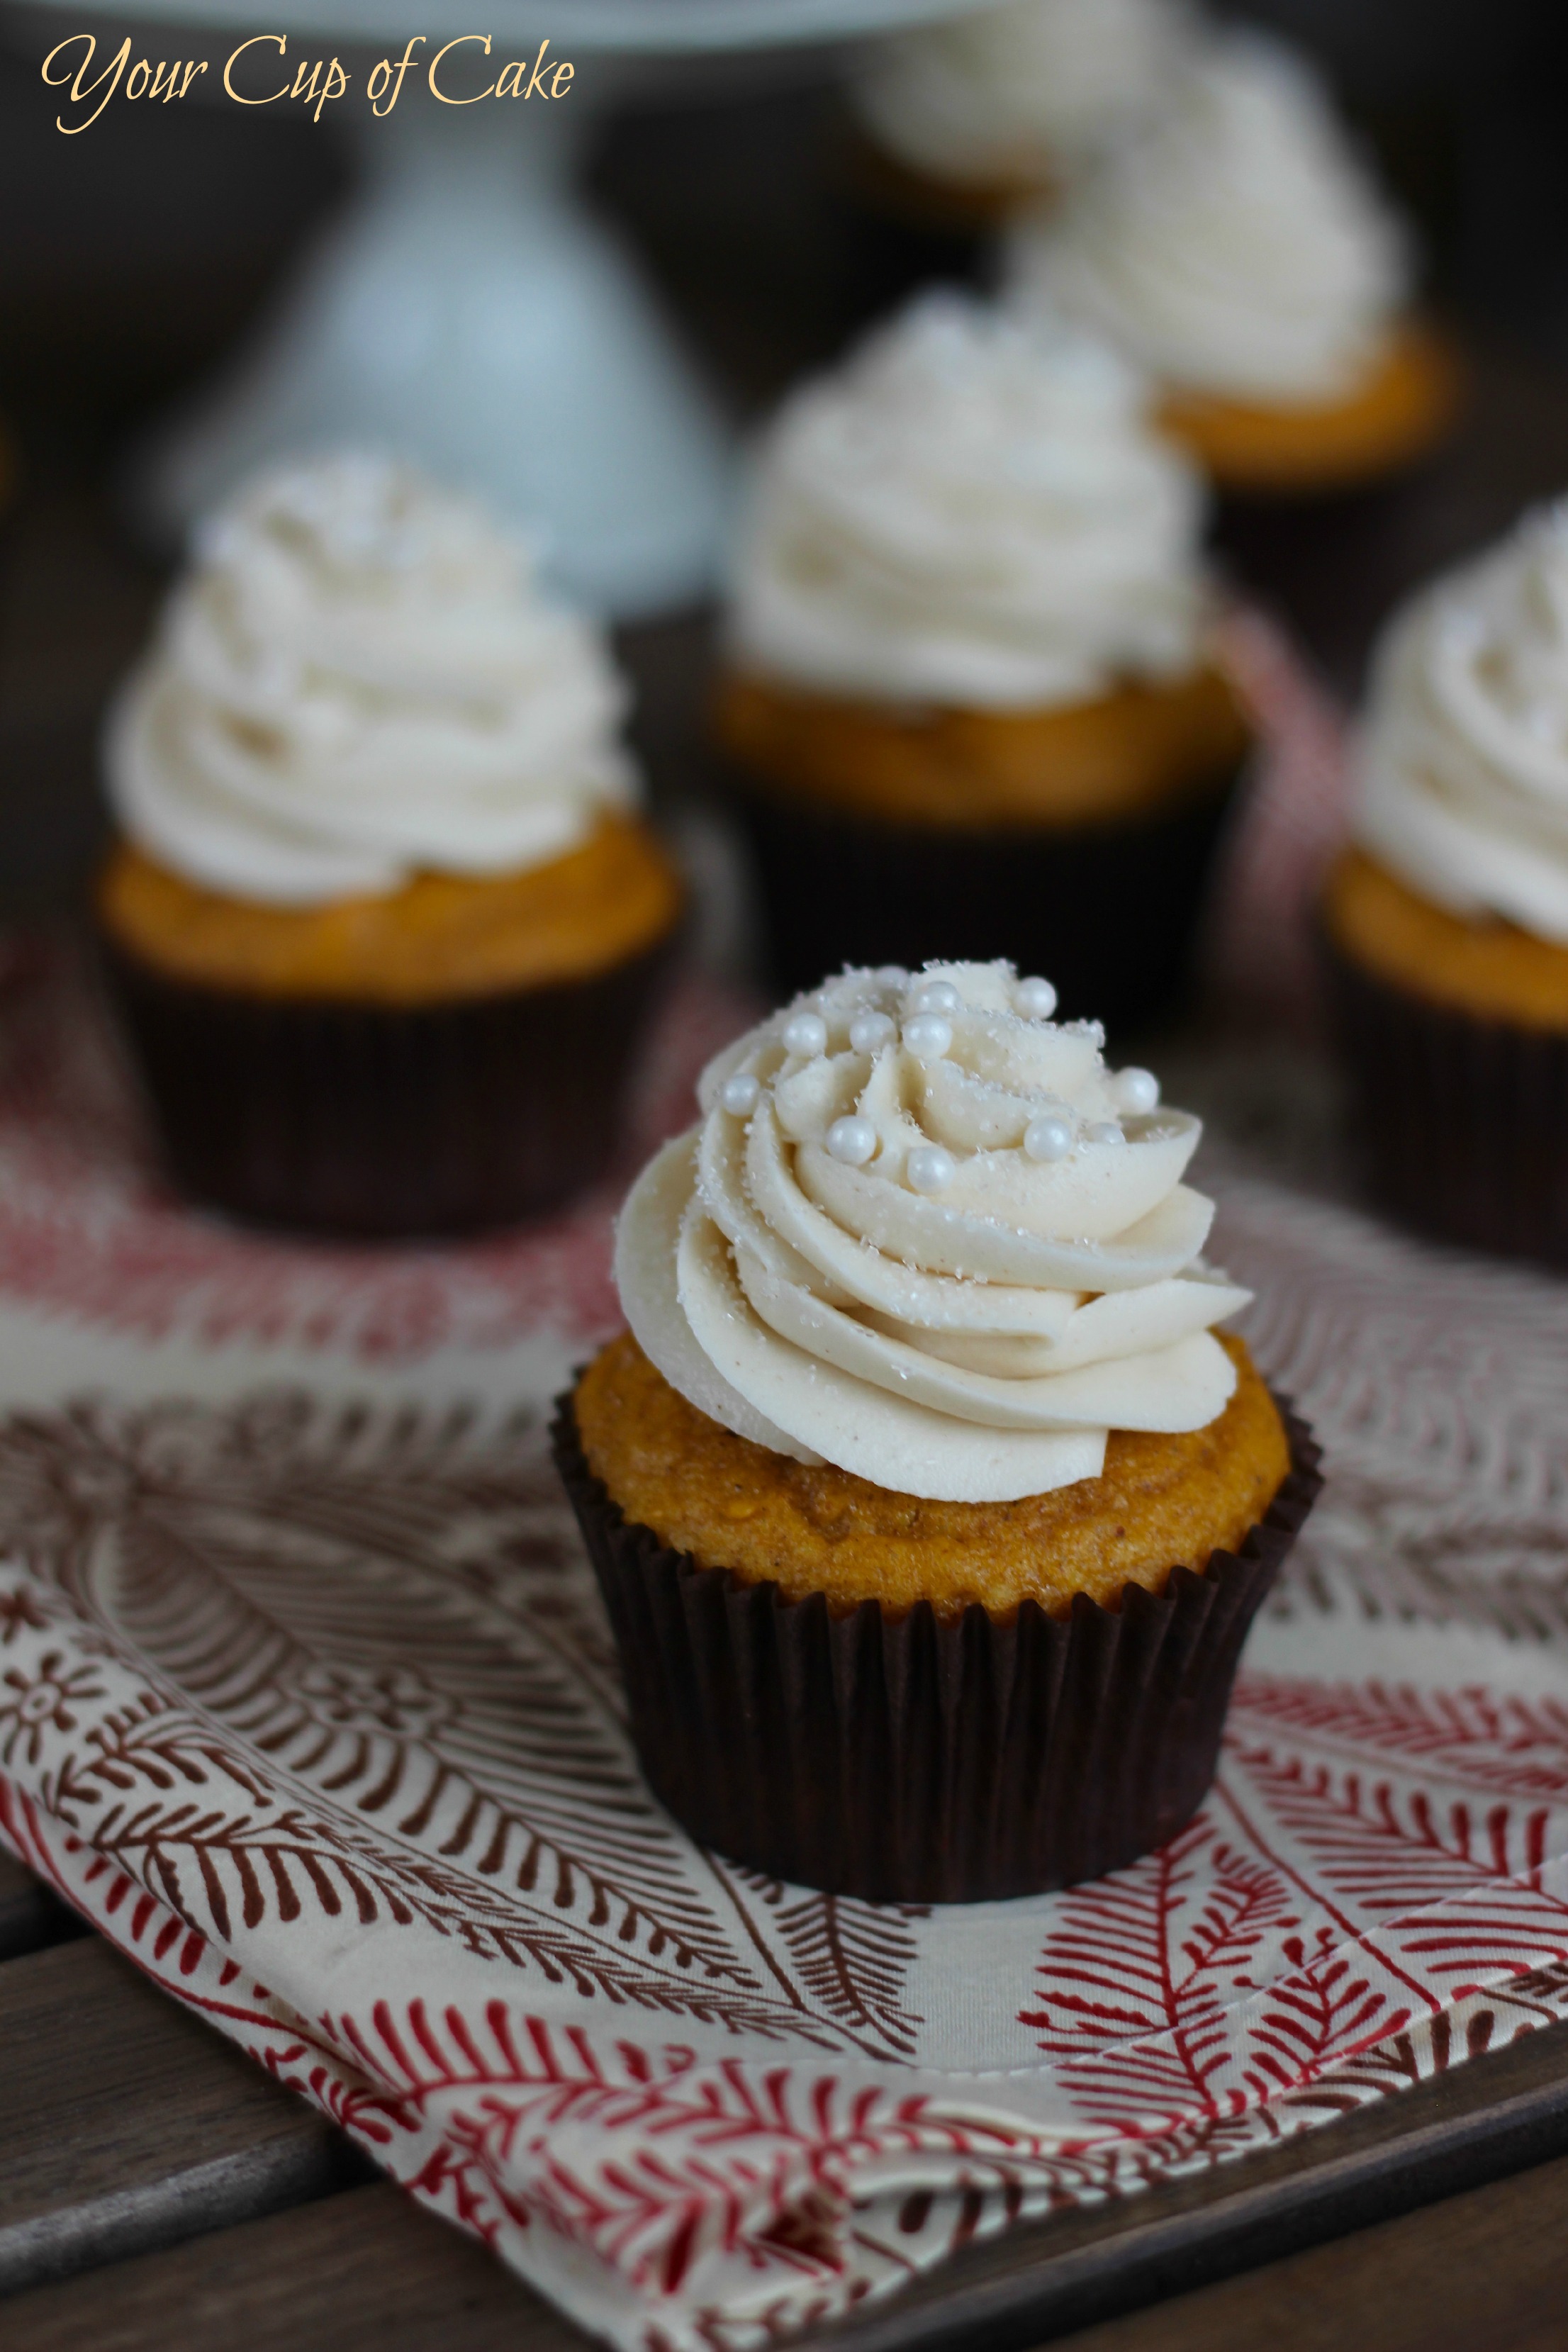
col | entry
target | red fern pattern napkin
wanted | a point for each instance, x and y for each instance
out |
(307, 1701)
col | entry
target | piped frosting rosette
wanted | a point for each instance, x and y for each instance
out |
(1030, 88)
(974, 511)
(1237, 246)
(924, 1233)
(1464, 768)
(361, 679)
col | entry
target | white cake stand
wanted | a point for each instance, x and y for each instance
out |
(466, 309)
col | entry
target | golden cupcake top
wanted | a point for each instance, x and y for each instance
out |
(811, 1528)
(440, 938)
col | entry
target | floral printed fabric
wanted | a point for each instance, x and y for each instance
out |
(306, 1699)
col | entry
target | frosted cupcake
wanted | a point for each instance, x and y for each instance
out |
(929, 1511)
(970, 701)
(1447, 919)
(383, 919)
(1241, 255)
(967, 121)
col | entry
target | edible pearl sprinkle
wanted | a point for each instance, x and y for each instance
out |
(868, 1032)
(853, 1140)
(1048, 1136)
(1105, 1130)
(931, 1168)
(1036, 1000)
(937, 996)
(1136, 1092)
(928, 1036)
(806, 1035)
(740, 1093)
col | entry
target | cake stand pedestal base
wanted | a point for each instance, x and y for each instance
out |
(466, 311)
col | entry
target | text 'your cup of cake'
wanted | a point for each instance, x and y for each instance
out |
(928, 1508)
(383, 922)
(971, 701)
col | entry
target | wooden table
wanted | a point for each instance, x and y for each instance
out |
(157, 2190)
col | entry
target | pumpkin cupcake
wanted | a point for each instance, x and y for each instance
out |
(929, 1510)
(964, 124)
(1447, 919)
(969, 698)
(381, 921)
(1239, 253)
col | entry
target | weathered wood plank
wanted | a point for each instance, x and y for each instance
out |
(1500, 2114)
(366, 2271)
(1487, 2272)
(30, 1916)
(128, 2123)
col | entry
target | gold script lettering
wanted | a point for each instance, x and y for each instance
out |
(282, 41)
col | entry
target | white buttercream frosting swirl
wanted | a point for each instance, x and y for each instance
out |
(1023, 92)
(923, 1233)
(360, 679)
(1239, 246)
(1464, 757)
(971, 510)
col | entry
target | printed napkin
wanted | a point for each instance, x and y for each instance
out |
(308, 1702)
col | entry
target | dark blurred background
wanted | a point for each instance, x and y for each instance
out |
(130, 258)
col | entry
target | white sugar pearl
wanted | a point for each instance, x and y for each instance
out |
(937, 996)
(870, 1031)
(1105, 1130)
(1136, 1092)
(931, 1168)
(1050, 1137)
(853, 1140)
(806, 1035)
(928, 1036)
(1036, 999)
(740, 1093)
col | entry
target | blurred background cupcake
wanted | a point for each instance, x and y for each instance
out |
(381, 921)
(969, 699)
(1241, 252)
(1447, 919)
(961, 124)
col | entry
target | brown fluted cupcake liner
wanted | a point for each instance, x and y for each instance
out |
(369, 1121)
(1109, 912)
(1462, 1121)
(918, 1760)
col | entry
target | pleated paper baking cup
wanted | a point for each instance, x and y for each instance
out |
(1462, 1121)
(1109, 912)
(918, 1760)
(365, 1119)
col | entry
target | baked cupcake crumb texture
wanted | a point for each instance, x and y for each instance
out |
(439, 938)
(1159, 1502)
(1490, 969)
(1399, 410)
(1144, 746)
